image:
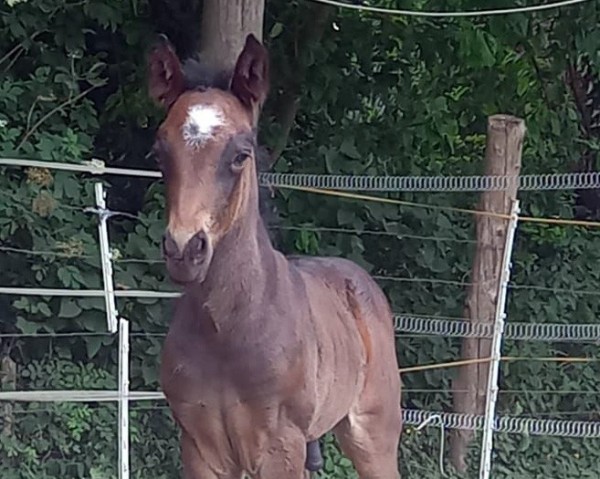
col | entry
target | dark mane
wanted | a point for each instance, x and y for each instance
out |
(199, 76)
(267, 207)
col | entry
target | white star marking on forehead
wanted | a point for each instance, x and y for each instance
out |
(201, 123)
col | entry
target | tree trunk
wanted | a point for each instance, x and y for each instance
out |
(225, 25)
(503, 158)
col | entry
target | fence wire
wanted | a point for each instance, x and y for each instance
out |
(406, 324)
(414, 417)
(516, 331)
(540, 182)
(558, 181)
(548, 332)
(363, 6)
(511, 425)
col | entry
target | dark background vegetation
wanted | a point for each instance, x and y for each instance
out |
(381, 95)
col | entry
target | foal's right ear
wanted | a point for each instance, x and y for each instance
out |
(250, 82)
(165, 76)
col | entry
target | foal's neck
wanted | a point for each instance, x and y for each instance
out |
(242, 270)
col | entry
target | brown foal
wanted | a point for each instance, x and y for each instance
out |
(265, 354)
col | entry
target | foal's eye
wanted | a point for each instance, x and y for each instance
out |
(238, 162)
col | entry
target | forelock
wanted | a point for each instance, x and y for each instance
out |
(199, 76)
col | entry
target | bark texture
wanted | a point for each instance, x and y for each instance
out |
(505, 136)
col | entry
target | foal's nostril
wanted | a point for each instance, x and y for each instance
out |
(201, 245)
(169, 246)
(197, 248)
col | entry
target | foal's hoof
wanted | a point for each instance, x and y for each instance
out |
(314, 459)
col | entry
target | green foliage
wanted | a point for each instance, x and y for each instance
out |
(61, 439)
(77, 440)
(335, 465)
(382, 95)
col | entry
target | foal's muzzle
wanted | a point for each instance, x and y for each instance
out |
(191, 264)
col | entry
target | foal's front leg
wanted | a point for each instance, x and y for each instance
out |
(285, 457)
(195, 467)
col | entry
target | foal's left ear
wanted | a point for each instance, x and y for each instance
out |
(250, 81)
(165, 78)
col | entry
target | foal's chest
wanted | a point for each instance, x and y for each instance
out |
(200, 365)
(228, 397)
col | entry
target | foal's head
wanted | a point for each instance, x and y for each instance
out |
(206, 150)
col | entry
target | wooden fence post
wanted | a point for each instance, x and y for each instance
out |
(505, 136)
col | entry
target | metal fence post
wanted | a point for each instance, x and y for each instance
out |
(123, 398)
(106, 259)
(499, 322)
(115, 323)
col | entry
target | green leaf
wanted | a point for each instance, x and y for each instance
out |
(44, 309)
(27, 327)
(348, 148)
(93, 345)
(150, 373)
(69, 309)
(345, 216)
(156, 230)
(22, 303)
(276, 30)
(331, 157)
(90, 303)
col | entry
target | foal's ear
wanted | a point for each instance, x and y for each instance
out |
(250, 81)
(165, 77)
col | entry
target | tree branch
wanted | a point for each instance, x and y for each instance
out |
(18, 50)
(575, 82)
(288, 105)
(39, 123)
